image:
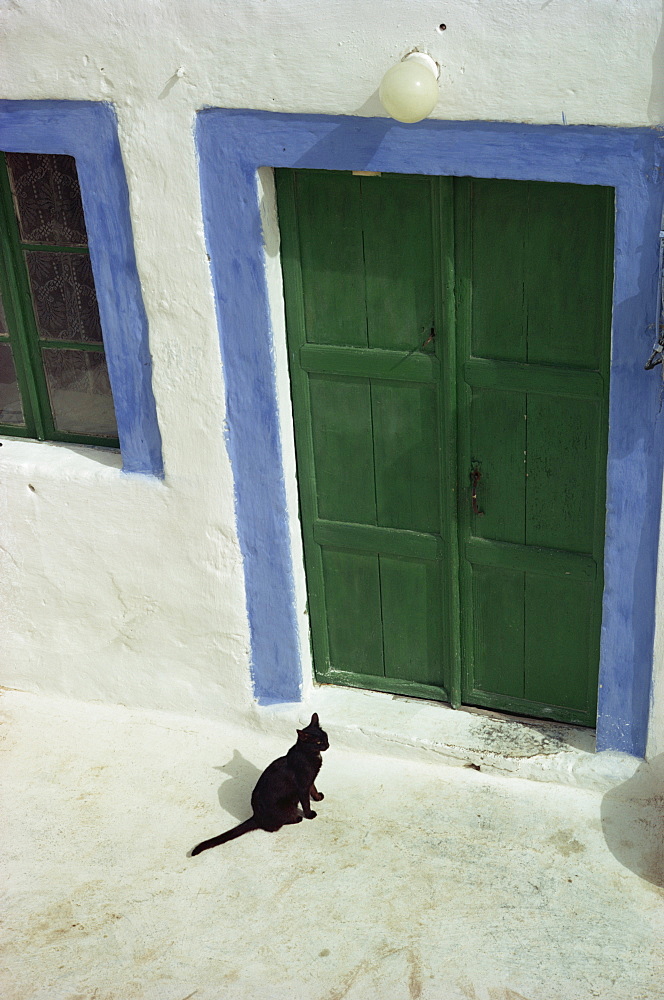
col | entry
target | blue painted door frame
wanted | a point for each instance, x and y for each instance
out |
(232, 145)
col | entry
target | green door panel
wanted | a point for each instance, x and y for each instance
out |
(498, 443)
(332, 272)
(366, 398)
(562, 445)
(341, 427)
(567, 274)
(399, 272)
(407, 477)
(498, 630)
(354, 620)
(437, 327)
(412, 624)
(562, 678)
(533, 368)
(498, 329)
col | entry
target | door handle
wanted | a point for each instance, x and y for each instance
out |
(475, 476)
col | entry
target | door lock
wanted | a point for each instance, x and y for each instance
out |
(475, 476)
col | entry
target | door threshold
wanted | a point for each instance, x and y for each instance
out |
(477, 738)
(565, 734)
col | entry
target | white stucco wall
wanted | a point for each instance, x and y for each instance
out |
(125, 589)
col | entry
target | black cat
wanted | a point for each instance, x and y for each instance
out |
(286, 782)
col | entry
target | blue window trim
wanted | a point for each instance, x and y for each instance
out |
(231, 146)
(88, 131)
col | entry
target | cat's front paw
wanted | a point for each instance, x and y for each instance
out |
(318, 797)
(311, 814)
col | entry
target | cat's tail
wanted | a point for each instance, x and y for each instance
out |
(223, 838)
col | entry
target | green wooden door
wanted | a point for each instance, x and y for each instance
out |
(450, 337)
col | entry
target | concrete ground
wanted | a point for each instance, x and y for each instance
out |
(416, 880)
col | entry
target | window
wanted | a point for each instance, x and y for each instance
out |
(54, 381)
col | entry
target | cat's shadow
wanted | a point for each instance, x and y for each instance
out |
(235, 791)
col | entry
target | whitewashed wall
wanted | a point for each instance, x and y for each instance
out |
(121, 588)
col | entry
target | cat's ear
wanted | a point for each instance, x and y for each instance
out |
(314, 719)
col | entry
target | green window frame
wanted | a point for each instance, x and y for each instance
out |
(44, 361)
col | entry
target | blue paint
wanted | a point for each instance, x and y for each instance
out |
(232, 145)
(88, 131)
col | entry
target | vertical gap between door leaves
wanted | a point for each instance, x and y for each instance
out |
(371, 416)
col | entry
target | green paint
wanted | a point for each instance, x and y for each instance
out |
(27, 346)
(534, 269)
(409, 590)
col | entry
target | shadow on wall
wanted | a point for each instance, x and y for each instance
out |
(235, 793)
(633, 822)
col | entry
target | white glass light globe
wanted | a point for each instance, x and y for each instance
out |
(409, 90)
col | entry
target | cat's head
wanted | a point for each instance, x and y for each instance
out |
(313, 736)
